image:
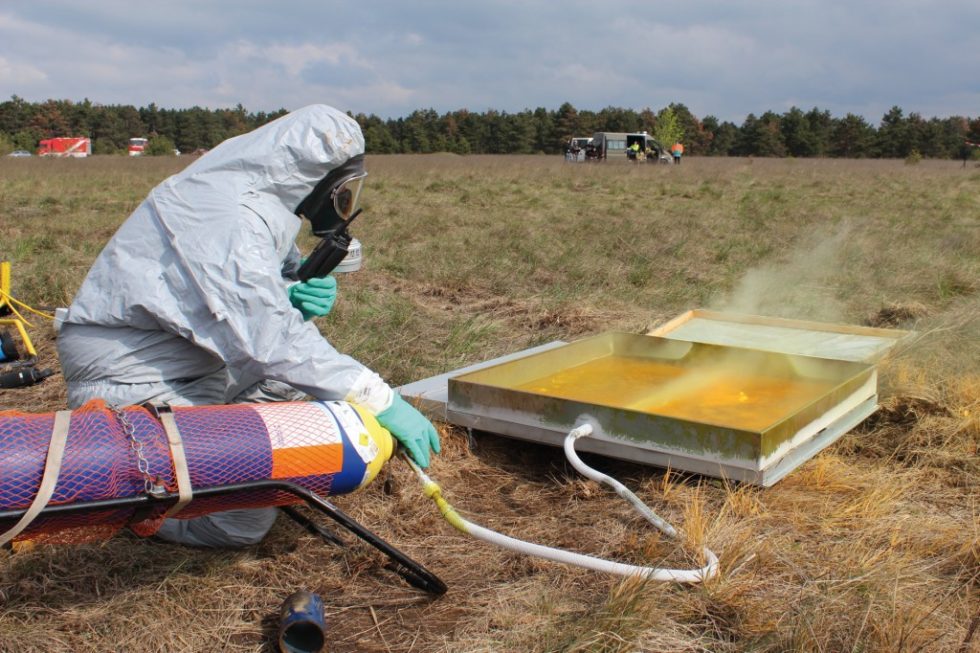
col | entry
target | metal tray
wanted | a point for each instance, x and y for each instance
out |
(741, 413)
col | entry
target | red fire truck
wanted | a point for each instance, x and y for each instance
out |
(137, 145)
(65, 146)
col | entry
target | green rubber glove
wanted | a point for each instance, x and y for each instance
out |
(411, 428)
(314, 298)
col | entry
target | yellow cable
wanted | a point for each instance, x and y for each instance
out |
(20, 318)
(14, 300)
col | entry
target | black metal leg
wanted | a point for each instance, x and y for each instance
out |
(414, 574)
(311, 526)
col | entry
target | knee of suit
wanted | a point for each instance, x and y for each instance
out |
(229, 529)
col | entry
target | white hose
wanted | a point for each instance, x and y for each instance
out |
(434, 492)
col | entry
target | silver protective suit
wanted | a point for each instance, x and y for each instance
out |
(187, 304)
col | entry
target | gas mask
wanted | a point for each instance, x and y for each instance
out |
(330, 208)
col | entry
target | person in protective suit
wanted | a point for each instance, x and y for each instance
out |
(194, 300)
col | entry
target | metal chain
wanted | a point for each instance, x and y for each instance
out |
(152, 485)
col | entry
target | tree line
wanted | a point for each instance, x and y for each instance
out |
(796, 133)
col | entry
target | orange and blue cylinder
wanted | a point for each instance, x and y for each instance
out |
(328, 447)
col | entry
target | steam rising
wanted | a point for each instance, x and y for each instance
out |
(801, 286)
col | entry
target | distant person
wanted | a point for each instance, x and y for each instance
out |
(676, 150)
(633, 151)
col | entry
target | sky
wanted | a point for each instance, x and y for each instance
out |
(725, 58)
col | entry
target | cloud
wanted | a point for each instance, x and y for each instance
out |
(389, 58)
(16, 74)
(297, 58)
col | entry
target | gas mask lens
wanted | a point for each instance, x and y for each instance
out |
(347, 195)
(333, 202)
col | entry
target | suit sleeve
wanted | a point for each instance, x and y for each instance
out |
(254, 328)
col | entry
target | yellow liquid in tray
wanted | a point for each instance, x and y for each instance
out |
(723, 395)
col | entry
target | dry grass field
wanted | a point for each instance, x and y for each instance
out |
(873, 545)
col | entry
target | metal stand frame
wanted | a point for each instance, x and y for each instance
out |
(414, 573)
